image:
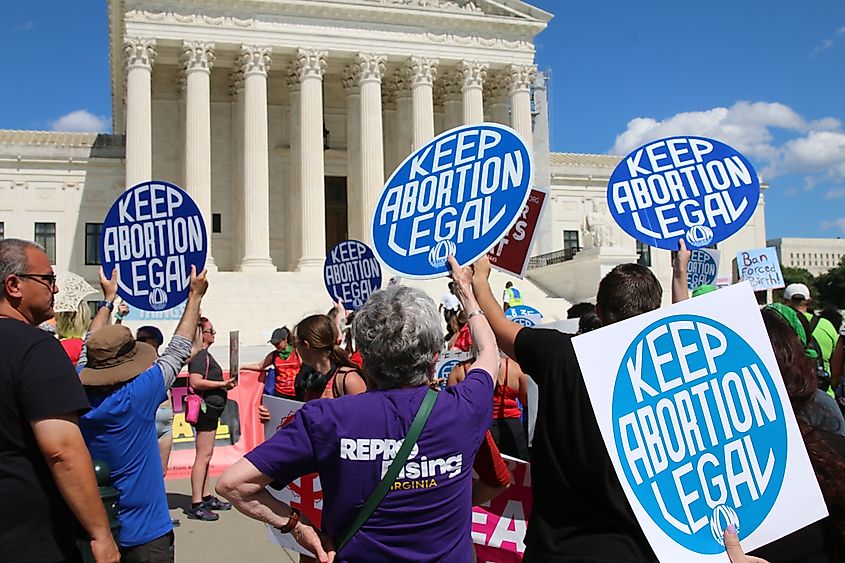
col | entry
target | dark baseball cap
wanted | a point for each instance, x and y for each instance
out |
(280, 334)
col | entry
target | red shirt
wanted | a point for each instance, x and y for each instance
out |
(286, 371)
(73, 348)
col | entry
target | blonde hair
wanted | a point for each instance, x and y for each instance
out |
(73, 324)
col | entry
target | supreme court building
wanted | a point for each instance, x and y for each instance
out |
(283, 118)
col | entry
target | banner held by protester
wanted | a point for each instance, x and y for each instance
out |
(703, 267)
(351, 273)
(153, 234)
(457, 195)
(699, 427)
(761, 268)
(512, 252)
(524, 315)
(698, 189)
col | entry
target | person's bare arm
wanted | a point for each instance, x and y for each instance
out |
(191, 316)
(109, 287)
(63, 447)
(523, 383)
(482, 492)
(200, 383)
(353, 383)
(504, 329)
(680, 263)
(457, 375)
(259, 366)
(487, 353)
(243, 485)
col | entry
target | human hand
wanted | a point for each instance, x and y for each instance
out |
(108, 285)
(681, 259)
(314, 540)
(734, 550)
(231, 383)
(463, 281)
(263, 414)
(199, 283)
(481, 270)
(122, 310)
(105, 550)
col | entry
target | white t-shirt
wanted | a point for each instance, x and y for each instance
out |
(450, 302)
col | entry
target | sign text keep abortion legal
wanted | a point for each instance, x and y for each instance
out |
(153, 234)
(691, 187)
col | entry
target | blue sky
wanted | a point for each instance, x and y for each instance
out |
(764, 76)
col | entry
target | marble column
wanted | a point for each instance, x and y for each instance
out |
(140, 55)
(310, 67)
(255, 63)
(473, 74)
(197, 58)
(520, 79)
(370, 73)
(354, 200)
(294, 212)
(389, 125)
(404, 117)
(421, 72)
(496, 98)
(452, 99)
(236, 92)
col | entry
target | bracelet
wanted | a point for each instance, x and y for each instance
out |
(293, 520)
(474, 314)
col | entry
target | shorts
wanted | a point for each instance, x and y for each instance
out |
(164, 421)
(208, 420)
(160, 550)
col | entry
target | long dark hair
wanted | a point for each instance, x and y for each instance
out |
(321, 333)
(799, 377)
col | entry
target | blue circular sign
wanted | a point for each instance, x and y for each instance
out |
(524, 315)
(351, 273)
(694, 188)
(699, 430)
(458, 194)
(702, 269)
(153, 234)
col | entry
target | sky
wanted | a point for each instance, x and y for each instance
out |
(764, 76)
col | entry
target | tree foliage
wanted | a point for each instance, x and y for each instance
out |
(796, 275)
(831, 286)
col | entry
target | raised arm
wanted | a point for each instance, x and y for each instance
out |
(680, 263)
(487, 355)
(109, 287)
(504, 329)
(179, 349)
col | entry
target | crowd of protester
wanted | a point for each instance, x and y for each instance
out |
(377, 367)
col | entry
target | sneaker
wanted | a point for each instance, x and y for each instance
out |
(201, 513)
(215, 503)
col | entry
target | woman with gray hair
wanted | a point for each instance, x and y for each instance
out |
(352, 441)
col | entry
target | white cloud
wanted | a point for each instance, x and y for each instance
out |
(82, 120)
(835, 224)
(827, 43)
(834, 193)
(813, 149)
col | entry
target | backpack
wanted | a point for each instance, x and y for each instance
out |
(814, 351)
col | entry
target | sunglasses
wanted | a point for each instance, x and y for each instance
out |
(49, 278)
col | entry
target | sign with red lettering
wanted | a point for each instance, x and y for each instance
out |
(498, 526)
(511, 253)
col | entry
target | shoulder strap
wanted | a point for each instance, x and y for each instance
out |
(812, 344)
(396, 465)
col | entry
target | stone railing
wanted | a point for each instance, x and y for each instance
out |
(550, 258)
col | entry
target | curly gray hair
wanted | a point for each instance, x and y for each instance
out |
(398, 333)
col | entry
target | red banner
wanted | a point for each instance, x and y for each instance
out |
(511, 253)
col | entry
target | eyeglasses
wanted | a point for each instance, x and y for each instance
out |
(211, 331)
(49, 278)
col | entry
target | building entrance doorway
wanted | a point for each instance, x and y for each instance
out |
(336, 223)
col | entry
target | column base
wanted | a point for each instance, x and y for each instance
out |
(310, 263)
(210, 264)
(257, 265)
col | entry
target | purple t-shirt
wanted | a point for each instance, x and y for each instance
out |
(351, 441)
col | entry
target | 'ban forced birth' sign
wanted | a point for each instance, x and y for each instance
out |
(457, 195)
(153, 234)
(698, 425)
(351, 273)
(693, 188)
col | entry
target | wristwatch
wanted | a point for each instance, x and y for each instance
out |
(108, 304)
(293, 520)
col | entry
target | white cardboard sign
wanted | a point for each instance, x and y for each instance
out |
(698, 425)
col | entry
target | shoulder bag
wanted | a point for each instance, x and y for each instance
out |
(193, 402)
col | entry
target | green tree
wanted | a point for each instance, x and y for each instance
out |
(831, 286)
(795, 275)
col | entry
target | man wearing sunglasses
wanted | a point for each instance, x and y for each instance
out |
(47, 478)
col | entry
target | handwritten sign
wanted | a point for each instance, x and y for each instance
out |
(760, 267)
(458, 194)
(698, 425)
(153, 234)
(693, 188)
(351, 273)
(511, 253)
(703, 267)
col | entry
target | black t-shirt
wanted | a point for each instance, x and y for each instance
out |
(37, 381)
(579, 510)
(204, 363)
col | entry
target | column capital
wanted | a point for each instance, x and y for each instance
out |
(421, 71)
(370, 66)
(496, 87)
(402, 85)
(254, 59)
(236, 81)
(197, 56)
(473, 73)
(310, 63)
(351, 79)
(388, 94)
(448, 86)
(140, 52)
(292, 77)
(520, 77)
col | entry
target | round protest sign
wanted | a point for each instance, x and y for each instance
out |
(351, 273)
(693, 188)
(153, 234)
(458, 194)
(699, 430)
(524, 315)
(703, 268)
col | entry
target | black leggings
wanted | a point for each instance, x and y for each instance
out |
(509, 436)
